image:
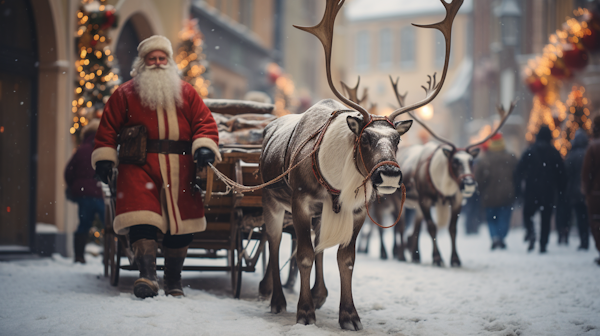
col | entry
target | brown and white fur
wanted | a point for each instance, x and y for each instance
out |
(431, 185)
(311, 204)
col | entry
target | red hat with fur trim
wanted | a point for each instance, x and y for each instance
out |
(155, 42)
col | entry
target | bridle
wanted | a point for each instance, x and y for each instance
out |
(357, 152)
(457, 179)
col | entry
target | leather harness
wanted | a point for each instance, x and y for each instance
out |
(169, 147)
(457, 179)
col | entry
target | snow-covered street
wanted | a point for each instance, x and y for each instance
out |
(508, 292)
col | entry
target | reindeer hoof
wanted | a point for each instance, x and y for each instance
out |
(278, 309)
(305, 317)
(353, 325)
(438, 263)
(349, 319)
(455, 263)
(278, 304)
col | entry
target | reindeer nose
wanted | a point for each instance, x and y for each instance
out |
(387, 176)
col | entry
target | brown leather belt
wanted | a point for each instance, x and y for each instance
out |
(169, 147)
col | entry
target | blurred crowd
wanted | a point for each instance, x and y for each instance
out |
(539, 181)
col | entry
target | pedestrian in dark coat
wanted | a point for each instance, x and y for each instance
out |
(543, 170)
(494, 175)
(574, 199)
(590, 182)
(83, 189)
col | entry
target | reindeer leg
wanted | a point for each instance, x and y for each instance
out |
(363, 242)
(305, 258)
(271, 284)
(379, 218)
(399, 229)
(454, 260)
(346, 256)
(319, 291)
(414, 240)
(432, 228)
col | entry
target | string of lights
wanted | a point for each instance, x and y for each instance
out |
(547, 75)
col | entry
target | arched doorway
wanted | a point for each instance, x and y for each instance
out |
(135, 29)
(18, 124)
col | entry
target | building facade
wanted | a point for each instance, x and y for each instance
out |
(37, 74)
(382, 42)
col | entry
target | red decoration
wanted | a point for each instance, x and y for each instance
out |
(559, 70)
(574, 56)
(110, 19)
(535, 85)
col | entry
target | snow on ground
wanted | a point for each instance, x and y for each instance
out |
(509, 292)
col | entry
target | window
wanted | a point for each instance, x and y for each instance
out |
(385, 49)
(362, 51)
(407, 47)
(246, 12)
(440, 49)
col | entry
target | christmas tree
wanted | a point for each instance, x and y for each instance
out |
(191, 60)
(96, 80)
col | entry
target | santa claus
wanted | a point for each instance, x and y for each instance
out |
(158, 194)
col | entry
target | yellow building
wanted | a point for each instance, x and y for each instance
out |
(381, 42)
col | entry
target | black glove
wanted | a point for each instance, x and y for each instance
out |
(103, 170)
(203, 157)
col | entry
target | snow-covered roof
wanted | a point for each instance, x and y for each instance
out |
(360, 10)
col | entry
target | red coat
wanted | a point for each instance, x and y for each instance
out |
(165, 181)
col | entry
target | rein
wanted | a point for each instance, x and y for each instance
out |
(233, 185)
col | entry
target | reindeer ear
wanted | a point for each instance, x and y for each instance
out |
(355, 124)
(448, 152)
(403, 126)
(474, 151)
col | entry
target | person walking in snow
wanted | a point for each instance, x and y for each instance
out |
(590, 182)
(494, 176)
(543, 170)
(574, 199)
(155, 187)
(84, 190)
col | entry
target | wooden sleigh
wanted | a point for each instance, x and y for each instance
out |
(234, 220)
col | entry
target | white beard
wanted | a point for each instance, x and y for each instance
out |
(157, 86)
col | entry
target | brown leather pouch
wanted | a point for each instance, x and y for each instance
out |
(132, 145)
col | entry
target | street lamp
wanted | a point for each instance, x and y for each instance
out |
(509, 13)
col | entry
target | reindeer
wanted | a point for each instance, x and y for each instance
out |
(437, 174)
(352, 159)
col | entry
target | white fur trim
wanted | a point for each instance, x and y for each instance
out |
(104, 153)
(123, 221)
(155, 42)
(192, 225)
(440, 177)
(336, 152)
(208, 143)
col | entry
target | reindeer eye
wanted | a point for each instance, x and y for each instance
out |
(364, 140)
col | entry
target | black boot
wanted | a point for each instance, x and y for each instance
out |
(79, 242)
(174, 259)
(144, 251)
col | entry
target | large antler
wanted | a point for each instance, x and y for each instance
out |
(324, 32)
(353, 92)
(444, 26)
(503, 117)
(401, 98)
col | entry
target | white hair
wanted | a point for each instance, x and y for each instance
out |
(157, 85)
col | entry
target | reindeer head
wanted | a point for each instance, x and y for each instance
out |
(460, 160)
(377, 137)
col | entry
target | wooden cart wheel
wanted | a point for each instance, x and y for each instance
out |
(236, 265)
(115, 260)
